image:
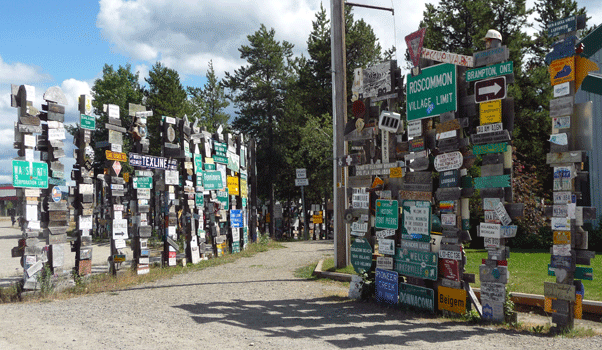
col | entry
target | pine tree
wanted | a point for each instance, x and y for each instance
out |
(208, 103)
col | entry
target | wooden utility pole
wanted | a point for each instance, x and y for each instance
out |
(339, 109)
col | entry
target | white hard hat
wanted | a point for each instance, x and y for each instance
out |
(493, 34)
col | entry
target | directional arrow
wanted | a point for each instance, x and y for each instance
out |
(490, 89)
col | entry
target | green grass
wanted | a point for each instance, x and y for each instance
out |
(529, 269)
(328, 265)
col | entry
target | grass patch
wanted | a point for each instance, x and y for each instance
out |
(126, 278)
(306, 272)
(529, 269)
(328, 265)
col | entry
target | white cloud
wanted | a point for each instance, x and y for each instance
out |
(142, 70)
(20, 73)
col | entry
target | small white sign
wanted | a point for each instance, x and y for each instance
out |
(359, 226)
(561, 224)
(172, 177)
(113, 111)
(450, 254)
(448, 161)
(56, 134)
(120, 243)
(301, 173)
(446, 135)
(118, 207)
(562, 89)
(120, 228)
(448, 219)
(384, 262)
(85, 222)
(29, 140)
(561, 249)
(118, 215)
(86, 188)
(483, 129)
(490, 242)
(490, 230)
(301, 182)
(116, 148)
(385, 233)
(415, 128)
(386, 246)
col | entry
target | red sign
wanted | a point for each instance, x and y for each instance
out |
(414, 42)
(117, 167)
(449, 269)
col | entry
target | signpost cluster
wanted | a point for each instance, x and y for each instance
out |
(567, 156)
(302, 181)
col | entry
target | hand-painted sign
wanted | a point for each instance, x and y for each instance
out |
(387, 214)
(448, 161)
(562, 70)
(450, 269)
(451, 299)
(416, 297)
(361, 255)
(416, 220)
(492, 181)
(562, 106)
(432, 92)
(490, 89)
(416, 263)
(562, 26)
(490, 112)
(489, 71)
(559, 291)
(447, 57)
(490, 148)
(386, 286)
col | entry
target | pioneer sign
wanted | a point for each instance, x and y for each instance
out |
(432, 92)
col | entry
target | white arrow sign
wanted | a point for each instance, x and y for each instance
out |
(494, 89)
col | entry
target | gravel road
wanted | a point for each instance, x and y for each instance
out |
(252, 303)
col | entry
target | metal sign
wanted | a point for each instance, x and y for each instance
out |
(386, 283)
(387, 214)
(389, 121)
(416, 220)
(489, 71)
(448, 161)
(30, 174)
(301, 173)
(449, 268)
(236, 218)
(414, 42)
(384, 262)
(432, 92)
(416, 263)
(419, 298)
(233, 187)
(490, 230)
(152, 162)
(87, 122)
(301, 182)
(562, 26)
(142, 182)
(490, 112)
(386, 246)
(491, 56)
(448, 57)
(414, 128)
(559, 291)
(451, 299)
(361, 255)
(562, 70)
(213, 180)
(490, 89)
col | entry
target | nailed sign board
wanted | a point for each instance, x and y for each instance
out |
(374, 169)
(30, 174)
(562, 106)
(416, 297)
(432, 92)
(559, 291)
(449, 268)
(301, 182)
(489, 71)
(562, 70)
(361, 255)
(489, 148)
(377, 80)
(387, 214)
(491, 56)
(490, 112)
(493, 274)
(152, 162)
(414, 128)
(386, 283)
(490, 89)
(386, 246)
(416, 263)
(448, 161)
(385, 263)
(451, 299)
(416, 220)
(447, 57)
(490, 230)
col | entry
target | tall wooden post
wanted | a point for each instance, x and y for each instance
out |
(339, 109)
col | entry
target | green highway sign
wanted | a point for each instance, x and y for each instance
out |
(489, 71)
(142, 182)
(432, 92)
(198, 163)
(361, 255)
(416, 263)
(30, 174)
(222, 197)
(416, 297)
(213, 180)
(492, 181)
(220, 159)
(387, 214)
(199, 200)
(87, 122)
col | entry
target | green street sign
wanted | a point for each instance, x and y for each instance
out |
(361, 255)
(416, 297)
(432, 92)
(236, 247)
(582, 273)
(492, 181)
(30, 174)
(199, 200)
(416, 263)
(222, 197)
(198, 163)
(416, 218)
(220, 148)
(489, 71)
(142, 182)
(199, 179)
(220, 159)
(387, 214)
(87, 122)
(490, 148)
(209, 166)
(244, 202)
(213, 180)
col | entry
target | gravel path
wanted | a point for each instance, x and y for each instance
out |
(251, 303)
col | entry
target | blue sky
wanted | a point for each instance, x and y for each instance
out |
(66, 43)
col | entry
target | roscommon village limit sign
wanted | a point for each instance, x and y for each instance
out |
(432, 92)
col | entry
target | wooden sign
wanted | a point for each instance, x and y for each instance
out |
(564, 157)
(363, 181)
(492, 170)
(490, 137)
(489, 148)
(559, 291)
(450, 269)
(562, 106)
(493, 291)
(385, 263)
(483, 129)
(374, 169)
(448, 194)
(451, 299)
(497, 274)
(492, 181)
(491, 56)
(447, 57)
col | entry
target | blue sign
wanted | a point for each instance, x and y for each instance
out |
(236, 220)
(387, 286)
(562, 49)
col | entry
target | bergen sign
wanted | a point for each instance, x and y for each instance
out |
(432, 92)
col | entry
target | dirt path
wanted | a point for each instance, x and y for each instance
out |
(252, 303)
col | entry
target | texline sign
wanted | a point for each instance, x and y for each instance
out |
(152, 162)
(432, 92)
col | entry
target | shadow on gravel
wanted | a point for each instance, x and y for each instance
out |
(336, 320)
(210, 283)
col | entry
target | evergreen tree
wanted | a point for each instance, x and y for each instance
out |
(165, 96)
(209, 102)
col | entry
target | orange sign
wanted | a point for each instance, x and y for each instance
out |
(117, 156)
(396, 172)
(451, 299)
(562, 237)
(562, 70)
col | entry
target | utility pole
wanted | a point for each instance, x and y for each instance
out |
(339, 108)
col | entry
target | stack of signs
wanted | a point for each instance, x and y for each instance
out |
(114, 156)
(187, 200)
(50, 143)
(244, 191)
(193, 250)
(29, 177)
(570, 241)
(142, 186)
(496, 113)
(83, 175)
(171, 149)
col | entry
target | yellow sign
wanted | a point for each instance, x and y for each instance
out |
(244, 191)
(317, 219)
(562, 237)
(396, 172)
(562, 70)
(126, 177)
(117, 156)
(377, 181)
(233, 189)
(490, 112)
(582, 68)
(451, 299)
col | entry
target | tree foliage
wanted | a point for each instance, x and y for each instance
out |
(208, 103)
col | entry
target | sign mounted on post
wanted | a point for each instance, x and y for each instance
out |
(386, 286)
(432, 92)
(414, 42)
(490, 89)
(361, 255)
(30, 174)
(387, 214)
(489, 71)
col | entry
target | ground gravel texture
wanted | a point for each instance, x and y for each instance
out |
(251, 303)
